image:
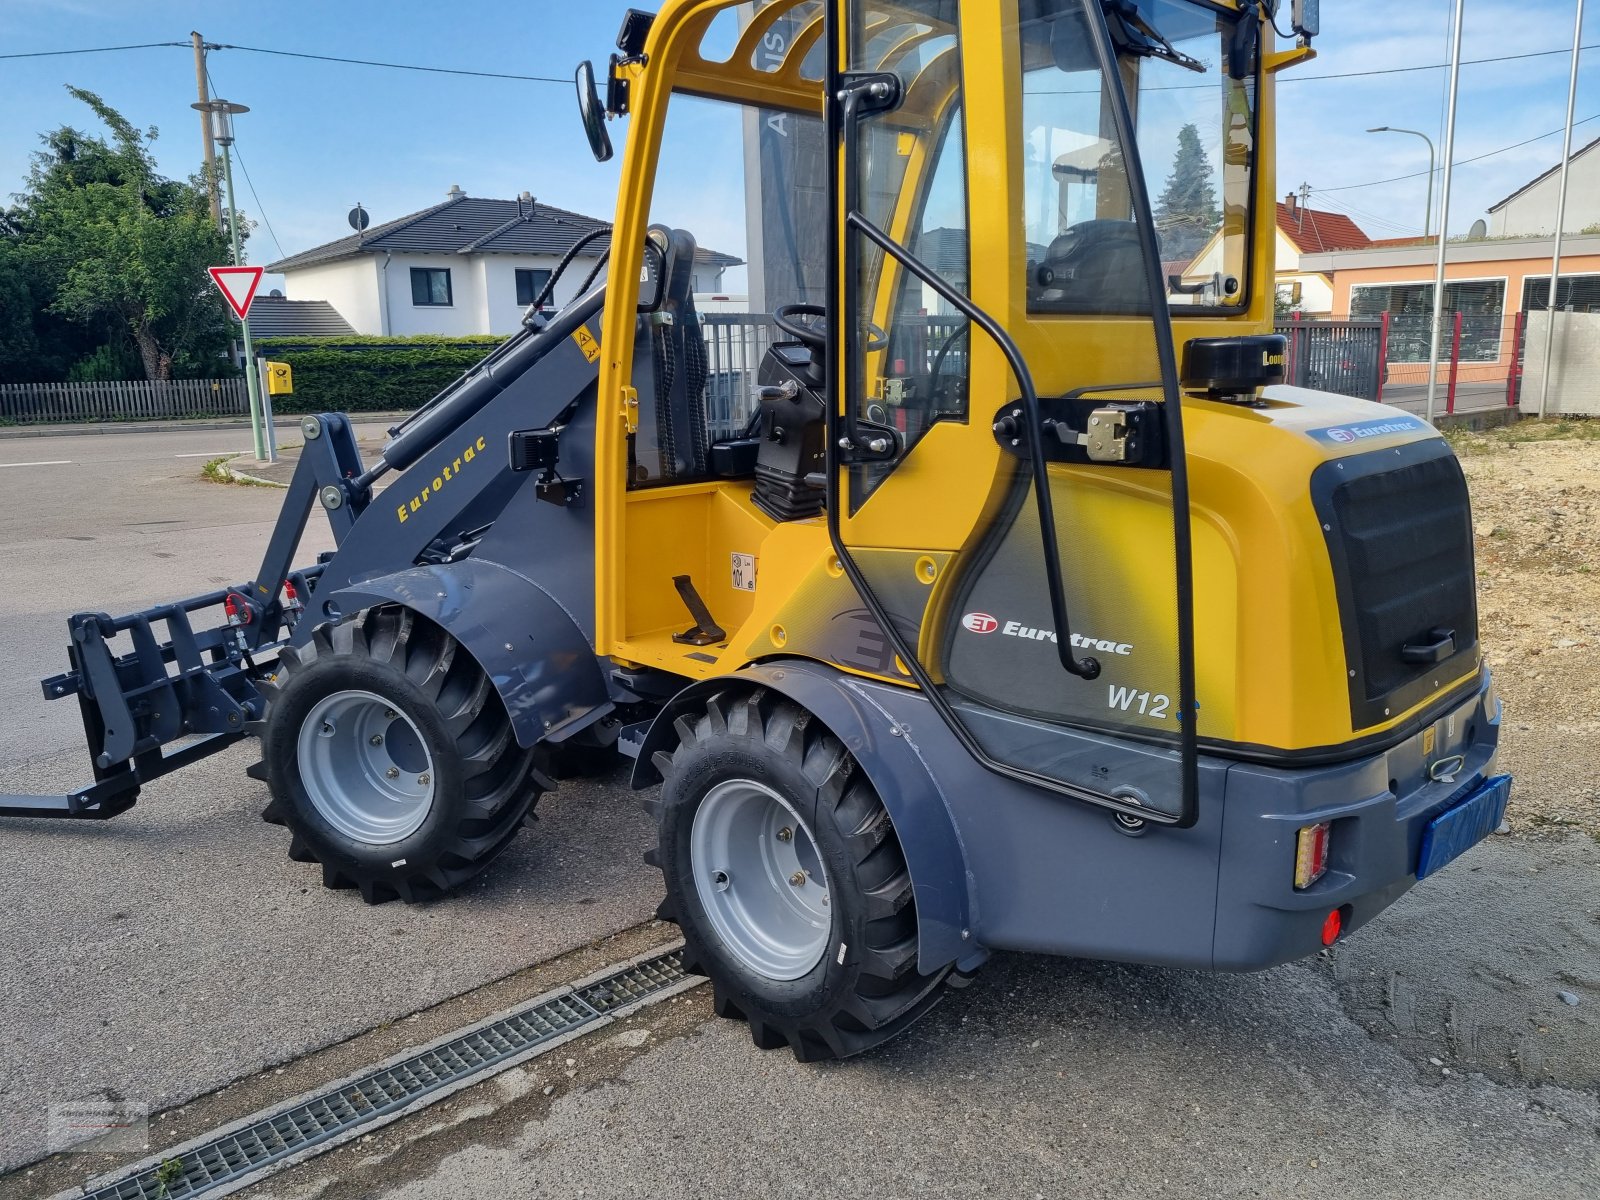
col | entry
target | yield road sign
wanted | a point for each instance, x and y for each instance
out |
(238, 286)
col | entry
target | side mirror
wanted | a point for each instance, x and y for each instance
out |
(592, 114)
(1305, 17)
(1246, 42)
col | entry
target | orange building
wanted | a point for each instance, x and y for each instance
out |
(1490, 283)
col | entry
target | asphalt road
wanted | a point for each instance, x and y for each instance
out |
(174, 950)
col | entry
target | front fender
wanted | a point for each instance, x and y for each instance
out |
(916, 803)
(532, 649)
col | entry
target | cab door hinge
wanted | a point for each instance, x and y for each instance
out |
(630, 410)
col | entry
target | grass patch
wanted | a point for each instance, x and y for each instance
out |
(216, 471)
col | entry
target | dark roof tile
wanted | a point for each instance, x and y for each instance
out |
(472, 225)
(273, 316)
(1316, 231)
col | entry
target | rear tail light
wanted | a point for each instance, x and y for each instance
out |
(1310, 855)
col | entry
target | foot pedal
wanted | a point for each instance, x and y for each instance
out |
(706, 632)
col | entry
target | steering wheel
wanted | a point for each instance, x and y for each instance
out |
(813, 333)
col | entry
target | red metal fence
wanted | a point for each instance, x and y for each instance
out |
(1386, 359)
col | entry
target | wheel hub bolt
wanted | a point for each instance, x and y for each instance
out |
(390, 713)
(392, 773)
(377, 739)
(786, 834)
(424, 778)
(798, 879)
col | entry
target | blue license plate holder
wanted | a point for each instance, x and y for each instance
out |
(1463, 825)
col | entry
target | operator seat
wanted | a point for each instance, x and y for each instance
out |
(672, 440)
(1094, 266)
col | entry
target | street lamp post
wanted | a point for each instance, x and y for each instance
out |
(1427, 213)
(222, 112)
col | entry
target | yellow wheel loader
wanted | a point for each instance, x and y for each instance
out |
(973, 583)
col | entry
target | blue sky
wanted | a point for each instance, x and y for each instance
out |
(322, 136)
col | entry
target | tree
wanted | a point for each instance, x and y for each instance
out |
(116, 248)
(1186, 213)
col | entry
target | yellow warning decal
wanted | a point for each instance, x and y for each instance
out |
(586, 342)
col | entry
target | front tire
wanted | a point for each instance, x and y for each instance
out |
(786, 876)
(391, 758)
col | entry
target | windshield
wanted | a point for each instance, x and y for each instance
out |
(1195, 126)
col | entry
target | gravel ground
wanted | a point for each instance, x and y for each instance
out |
(1536, 513)
(1052, 1078)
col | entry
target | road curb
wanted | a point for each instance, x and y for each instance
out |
(239, 476)
(284, 424)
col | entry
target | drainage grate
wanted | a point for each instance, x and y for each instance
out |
(228, 1159)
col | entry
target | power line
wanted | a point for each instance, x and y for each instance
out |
(1461, 162)
(91, 50)
(1366, 216)
(367, 62)
(1291, 77)
(250, 183)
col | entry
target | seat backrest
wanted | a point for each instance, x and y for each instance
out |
(679, 366)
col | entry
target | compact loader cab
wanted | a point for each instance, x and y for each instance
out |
(1032, 520)
(979, 587)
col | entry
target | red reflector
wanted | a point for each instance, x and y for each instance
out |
(1331, 927)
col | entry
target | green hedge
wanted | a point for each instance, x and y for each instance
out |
(370, 374)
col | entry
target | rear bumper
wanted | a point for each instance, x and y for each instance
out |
(1379, 808)
(1028, 870)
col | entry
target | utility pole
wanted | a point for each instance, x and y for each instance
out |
(212, 190)
(1444, 209)
(220, 114)
(1561, 214)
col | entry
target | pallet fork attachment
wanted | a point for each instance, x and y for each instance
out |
(197, 687)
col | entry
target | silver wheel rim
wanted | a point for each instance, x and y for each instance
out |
(760, 880)
(365, 767)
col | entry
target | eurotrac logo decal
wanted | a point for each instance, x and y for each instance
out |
(982, 622)
(447, 474)
(1345, 435)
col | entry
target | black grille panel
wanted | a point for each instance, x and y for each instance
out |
(1399, 533)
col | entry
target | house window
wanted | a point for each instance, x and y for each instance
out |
(530, 282)
(1481, 303)
(1580, 293)
(430, 287)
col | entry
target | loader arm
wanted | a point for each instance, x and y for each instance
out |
(166, 686)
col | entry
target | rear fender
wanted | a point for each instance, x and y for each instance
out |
(916, 803)
(532, 649)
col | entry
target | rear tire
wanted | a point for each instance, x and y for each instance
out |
(391, 758)
(786, 876)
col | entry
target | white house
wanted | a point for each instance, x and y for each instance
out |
(465, 266)
(1301, 231)
(1530, 211)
